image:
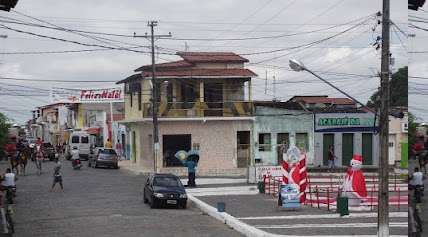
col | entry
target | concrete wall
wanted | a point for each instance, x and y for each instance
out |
(217, 140)
(296, 122)
(397, 136)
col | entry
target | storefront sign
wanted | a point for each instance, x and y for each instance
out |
(268, 171)
(65, 95)
(345, 121)
(331, 121)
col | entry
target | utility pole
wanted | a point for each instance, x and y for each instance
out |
(274, 88)
(383, 206)
(266, 83)
(155, 92)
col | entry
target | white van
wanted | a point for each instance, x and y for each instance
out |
(80, 140)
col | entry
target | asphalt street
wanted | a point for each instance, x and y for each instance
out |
(101, 202)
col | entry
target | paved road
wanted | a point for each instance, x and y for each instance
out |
(101, 202)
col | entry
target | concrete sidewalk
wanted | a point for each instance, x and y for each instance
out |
(259, 215)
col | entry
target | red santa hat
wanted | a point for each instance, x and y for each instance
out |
(357, 158)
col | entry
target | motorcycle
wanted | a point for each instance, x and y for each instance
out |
(75, 159)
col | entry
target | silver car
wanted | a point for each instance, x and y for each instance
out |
(104, 157)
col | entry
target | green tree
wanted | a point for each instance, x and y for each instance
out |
(4, 131)
(397, 90)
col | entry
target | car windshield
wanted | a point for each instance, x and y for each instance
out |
(107, 152)
(166, 181)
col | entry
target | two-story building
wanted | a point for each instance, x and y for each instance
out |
(205, 103)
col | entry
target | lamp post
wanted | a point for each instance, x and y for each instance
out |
(299, 66)
(383, 213)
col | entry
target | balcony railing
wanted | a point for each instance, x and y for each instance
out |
(201, 109)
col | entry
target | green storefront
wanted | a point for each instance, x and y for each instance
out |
(349, 134)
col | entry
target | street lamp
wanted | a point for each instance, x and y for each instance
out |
(299, 66)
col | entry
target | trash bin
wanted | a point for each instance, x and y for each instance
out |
(261, 186)
(342, 206)
(221, 207)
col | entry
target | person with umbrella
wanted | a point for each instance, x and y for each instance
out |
(190, 160)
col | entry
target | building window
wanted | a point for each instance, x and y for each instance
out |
(173, 143)
(302, 141)
(131, 99)
(264, 142)
(283, 143)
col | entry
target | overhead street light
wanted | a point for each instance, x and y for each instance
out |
(299, 66)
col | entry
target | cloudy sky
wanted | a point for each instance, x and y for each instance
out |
(418, 63)
(342, 32)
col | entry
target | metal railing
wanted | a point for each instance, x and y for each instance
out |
(325, 195)
(201, 109)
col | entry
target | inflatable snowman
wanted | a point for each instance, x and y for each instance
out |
(354, 184)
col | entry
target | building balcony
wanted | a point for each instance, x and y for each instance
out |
(201, 109)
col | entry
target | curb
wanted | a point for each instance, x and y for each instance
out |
(229, 220)
(244, 228)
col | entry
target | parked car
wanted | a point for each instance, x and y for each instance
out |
(48, 151)
(164, 189)
(104, 157)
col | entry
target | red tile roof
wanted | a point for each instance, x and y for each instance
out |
(211, 57)
(200, 72)
(165, 66)
(324, 100)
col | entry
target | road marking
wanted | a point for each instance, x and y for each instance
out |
(345, 225)
(323, 216)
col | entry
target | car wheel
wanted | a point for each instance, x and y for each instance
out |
(153, 203)
(89, 164)
(145, 200)
(116, 166)
(183, 205)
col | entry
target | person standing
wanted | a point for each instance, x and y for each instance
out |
(331, 158)
(108, 144)
(191, 169)
(57, 176)
(119, 149)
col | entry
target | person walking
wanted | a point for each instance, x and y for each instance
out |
(331, 158)
(57, 176)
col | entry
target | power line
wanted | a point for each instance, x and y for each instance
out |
(46, 80)
(75, 42)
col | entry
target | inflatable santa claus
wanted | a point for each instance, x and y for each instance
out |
(354, 184)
